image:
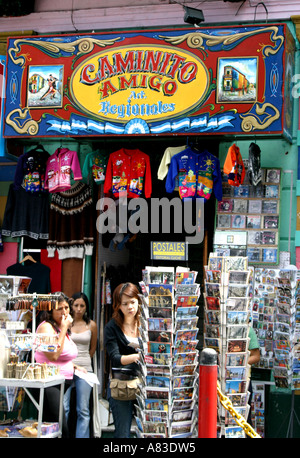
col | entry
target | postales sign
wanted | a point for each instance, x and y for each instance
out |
(178, 81)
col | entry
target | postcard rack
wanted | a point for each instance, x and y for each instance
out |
(167, 405)
(226, 329)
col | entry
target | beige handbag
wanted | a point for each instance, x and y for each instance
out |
(124, 390)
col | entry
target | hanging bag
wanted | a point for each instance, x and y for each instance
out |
(124, 390)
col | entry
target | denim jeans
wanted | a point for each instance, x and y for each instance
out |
(83, 393)
(122, 412)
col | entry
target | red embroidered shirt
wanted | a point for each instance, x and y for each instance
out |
(128, 171)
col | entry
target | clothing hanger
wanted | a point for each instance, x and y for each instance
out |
(28, 257)
(39, 147)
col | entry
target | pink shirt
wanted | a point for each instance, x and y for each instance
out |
(58, 170)
(65, 360)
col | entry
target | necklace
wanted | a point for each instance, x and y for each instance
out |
(129, 328)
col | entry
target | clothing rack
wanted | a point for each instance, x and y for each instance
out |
(32, 301)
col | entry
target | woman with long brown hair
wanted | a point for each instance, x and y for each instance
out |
(121, 341)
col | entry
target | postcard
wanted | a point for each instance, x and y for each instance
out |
(235, 386)
(235, 263)
(159, 347)
(159, 324)
(215, 262)
(158, 381)
(160, 336)
(238, 290)
(186, 323)
(237, 345)
(212, 317)
(187, 334)
(160, 301)
(186, 301)
(237, 332)
(213, 289)
(212, 303)
(188, 369)
(156, 404)
(237, 317)
(213, 276)
(179, 405)
(156, 393)
(160, 312)
(185, 278)
(160, 275)
(184, 381)
(239, 276)
(212, 331)
(237, 304)
(236, 373)
(236, 359)
(188, 290)
(183, 346)
(184, 312)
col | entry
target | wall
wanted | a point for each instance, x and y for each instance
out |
(74, 15)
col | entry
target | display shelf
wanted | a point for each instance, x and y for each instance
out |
(41, 385)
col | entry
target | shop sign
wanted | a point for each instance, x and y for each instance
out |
(169, 251)
(178, 81)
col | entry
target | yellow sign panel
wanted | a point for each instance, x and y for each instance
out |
(169, 250)
(147, 82)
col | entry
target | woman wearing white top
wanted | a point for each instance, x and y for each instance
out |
(84, 334)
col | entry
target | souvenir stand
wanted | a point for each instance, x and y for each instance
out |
(167, 404)
(226, 329)
(20, 374)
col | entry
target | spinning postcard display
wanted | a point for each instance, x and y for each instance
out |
(226, 329)
(167, 405)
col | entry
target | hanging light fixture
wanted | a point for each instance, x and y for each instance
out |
(192, 15)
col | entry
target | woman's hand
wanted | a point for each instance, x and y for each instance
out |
(80, 368)
(66, 322)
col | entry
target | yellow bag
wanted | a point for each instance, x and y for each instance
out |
(124, 390)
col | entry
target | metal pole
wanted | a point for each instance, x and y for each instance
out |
(207, 403)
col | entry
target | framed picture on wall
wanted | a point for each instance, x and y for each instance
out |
(272, 175)
(238, 221)
(253, 222)
(226, 205)
(254, 206)
(269, 254)
(224, 221)
(271, 222)
(241, 191)
(269, 206)
(240, 206)
(45, 86)
(272, 191)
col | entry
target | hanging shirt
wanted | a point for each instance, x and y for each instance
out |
(199, 174)
(128, 171)
(166, 160)
(30, 170)
(254, 170)
(59, 168)
(94, 167)
(234, 166)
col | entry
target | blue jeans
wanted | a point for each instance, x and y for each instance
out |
(122, 412)
(83, 393)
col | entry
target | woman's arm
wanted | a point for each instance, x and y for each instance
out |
(47, 328)
(93, 344)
